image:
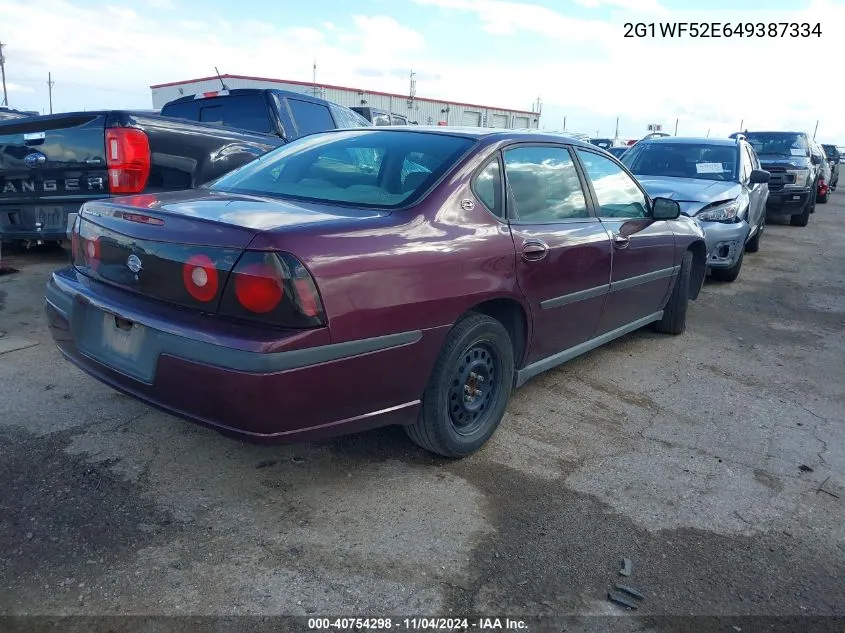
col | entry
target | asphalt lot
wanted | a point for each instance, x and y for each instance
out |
(683, 454)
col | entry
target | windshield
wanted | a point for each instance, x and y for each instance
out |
(683, 160)
(373, 168)
(779, 143)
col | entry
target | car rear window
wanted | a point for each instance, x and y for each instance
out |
(372, 168)
(246, 112)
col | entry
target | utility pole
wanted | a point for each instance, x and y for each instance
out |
(741, 123)
(564, 124)
(616, 134)
(708, 132)
(50, 83)
(816, 130)
(314, 79)
(3, 74)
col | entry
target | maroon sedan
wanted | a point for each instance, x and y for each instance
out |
(360, 278)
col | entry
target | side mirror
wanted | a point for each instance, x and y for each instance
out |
(815, 159)
(665, 209)
(759, 176)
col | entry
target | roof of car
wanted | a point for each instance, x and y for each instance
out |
(235, 92)
(702, 140)
(482, 132)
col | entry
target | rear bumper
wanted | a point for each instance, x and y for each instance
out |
(725, 242)
(786, 202)
(279, 397)
(47, 222)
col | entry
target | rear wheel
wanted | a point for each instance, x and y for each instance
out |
(729, 274)
(823, 199)
(674, 319)
(468, 390)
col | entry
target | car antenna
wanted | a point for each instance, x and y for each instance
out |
(225, 87)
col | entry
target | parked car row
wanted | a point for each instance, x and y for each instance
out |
(277, 267)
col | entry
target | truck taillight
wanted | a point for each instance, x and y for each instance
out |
(273, 288)
(128, 159)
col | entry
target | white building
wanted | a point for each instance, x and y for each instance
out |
(422, 110)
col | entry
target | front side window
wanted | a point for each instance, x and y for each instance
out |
(752, 157)
(702, 161)
(618, 196)
(354, 167)
(544, 184)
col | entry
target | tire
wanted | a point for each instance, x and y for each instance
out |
(824, 198)
(674, 319)
(803, 218)
(729, 274)
(753, 245)
(449, 423)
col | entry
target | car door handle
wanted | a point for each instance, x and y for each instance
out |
(534, 251)
(621, 241)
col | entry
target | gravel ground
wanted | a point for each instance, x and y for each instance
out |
(714, 461)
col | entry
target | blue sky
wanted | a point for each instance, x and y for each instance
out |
(572, 53)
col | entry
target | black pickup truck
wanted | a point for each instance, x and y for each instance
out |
(50, 165)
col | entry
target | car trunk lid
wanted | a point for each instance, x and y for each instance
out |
(152, 243)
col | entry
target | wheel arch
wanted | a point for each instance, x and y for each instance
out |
(514, 317)
(699, 267)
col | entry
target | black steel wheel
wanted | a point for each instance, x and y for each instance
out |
(468, 390)
(474, 387)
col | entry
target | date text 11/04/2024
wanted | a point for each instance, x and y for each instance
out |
(722, 29)
(418, 624)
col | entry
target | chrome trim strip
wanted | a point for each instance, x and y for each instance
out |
(654, 275)
(581, 295)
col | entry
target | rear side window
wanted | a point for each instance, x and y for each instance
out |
(372, 167)
(488, 187)
(247, 112)
(311, 117)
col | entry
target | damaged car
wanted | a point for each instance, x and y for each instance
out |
(718, 182)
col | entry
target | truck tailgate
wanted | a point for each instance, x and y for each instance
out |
(48, 166)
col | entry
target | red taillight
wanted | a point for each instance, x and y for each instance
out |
(258, 288)
(273, 288)
(128, 159)
(309, 301)
(200, 277)
(75, 255)
(91, 251)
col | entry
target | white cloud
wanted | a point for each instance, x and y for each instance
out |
(639, 6)
(591, 72)
(504, 17)
(13, 87)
